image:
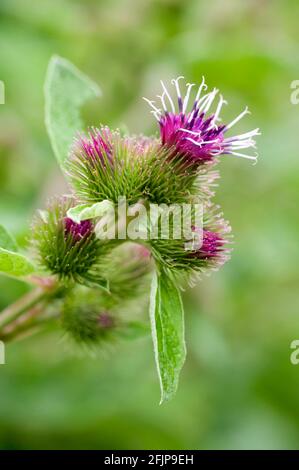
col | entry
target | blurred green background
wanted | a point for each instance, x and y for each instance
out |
(238, 389)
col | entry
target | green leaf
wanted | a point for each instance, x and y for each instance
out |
(66, 90)
(6, 240)
(87, 211)
(167, 322)
(14, 264)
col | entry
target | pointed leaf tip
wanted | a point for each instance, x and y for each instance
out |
(66, 90)
(167, 324)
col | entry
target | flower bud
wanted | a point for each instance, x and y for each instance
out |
(85, 320)
(67, 249)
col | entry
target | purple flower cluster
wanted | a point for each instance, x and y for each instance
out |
(96, 146)
(195, 134)
(105, 321)
(77, 231)
(212, 245)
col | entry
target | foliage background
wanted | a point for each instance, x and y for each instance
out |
(238, 388)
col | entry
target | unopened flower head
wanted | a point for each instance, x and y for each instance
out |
(210, 252)
(67, 249)
(104, 164)
(194, 131)
(105, 320)
(85, 320)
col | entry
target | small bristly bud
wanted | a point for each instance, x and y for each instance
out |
(65, 248)
(212, 253)
(89, 322)
(85, 320)
(105, 320)
(105, 165)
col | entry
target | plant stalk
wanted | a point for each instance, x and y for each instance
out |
(23, 313)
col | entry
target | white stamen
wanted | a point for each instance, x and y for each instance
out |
(168, 96)
(244, 136)
(209, 141)
(249, 157)
(190, 132)
(157, 116)
(152, 105)
(216, 152)
(191, 116)
(205, 100)
(238, 118)
(210, 100)
(175, 81)
(202, 142)
(213, 125)
(248, 143)
(186, 99)
(241, 145)
(199, 144)
(163, 101)
(238, 142)
(201, 87)
(220, 104)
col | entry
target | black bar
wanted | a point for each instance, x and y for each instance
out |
(149, 458)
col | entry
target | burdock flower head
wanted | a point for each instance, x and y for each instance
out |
(103, 164)
(85, 320)
(195, 133)
(209, 249)
(65, 248)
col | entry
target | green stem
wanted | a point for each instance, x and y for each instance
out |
(26, 302)
(22, 313)
(27, 324)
